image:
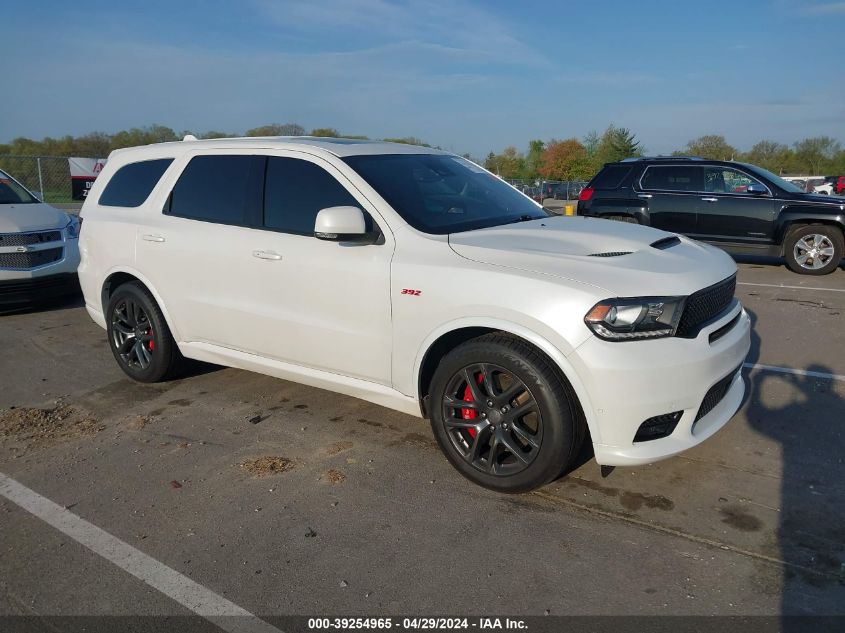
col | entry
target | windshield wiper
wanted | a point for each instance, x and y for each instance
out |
(526, 218)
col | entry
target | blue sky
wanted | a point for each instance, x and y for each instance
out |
(468, 75)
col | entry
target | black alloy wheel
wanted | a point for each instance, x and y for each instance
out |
(132, 333)
(504, 415)
(139, 336)
(493, 420)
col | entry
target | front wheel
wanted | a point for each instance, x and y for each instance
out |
(814, 250)
(503, 415)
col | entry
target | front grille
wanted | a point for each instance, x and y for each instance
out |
(24, 261)
(657, 427)
(25, 239)
(705, 305)
(715, 394)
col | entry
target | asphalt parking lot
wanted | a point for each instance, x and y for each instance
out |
(358, 513)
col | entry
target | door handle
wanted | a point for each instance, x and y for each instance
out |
(266, 255)
(710, 200)
(153, 238)
(644, 195)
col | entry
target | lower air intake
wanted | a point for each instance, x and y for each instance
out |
(658, 427)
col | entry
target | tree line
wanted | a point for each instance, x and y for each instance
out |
(574, 159)
(100, 144)
(568, 159)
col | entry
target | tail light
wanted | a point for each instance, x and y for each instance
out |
(586, 194)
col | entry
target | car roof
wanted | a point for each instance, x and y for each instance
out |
(340, 147)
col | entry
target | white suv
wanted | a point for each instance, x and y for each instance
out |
(38, 247)
(417, 280)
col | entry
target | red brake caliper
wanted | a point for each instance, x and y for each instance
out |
(152, 344)
(470, 414)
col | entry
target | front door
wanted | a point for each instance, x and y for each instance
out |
(319, 304)
(728, 213)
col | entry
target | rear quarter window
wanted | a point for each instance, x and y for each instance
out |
(132, 184)
(611, 176)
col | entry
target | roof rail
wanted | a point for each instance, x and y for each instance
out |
(636, 158)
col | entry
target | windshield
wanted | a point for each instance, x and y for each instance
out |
(443, 194)
(12, 193)
(777, 180)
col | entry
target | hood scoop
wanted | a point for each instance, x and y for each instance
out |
(611, 254)
(666, 242)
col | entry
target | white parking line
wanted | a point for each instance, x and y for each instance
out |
(191, 595)
(797, 372)
(746, 283)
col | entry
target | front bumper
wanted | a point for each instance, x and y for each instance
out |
(35, 289)
(42, 283)
(631, 382)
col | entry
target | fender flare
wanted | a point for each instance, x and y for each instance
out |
(558, 357)
(149, 286)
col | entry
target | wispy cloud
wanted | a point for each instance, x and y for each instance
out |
(827, 8)
(468, 30)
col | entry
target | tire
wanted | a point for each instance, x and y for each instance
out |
(623, 218)
(827, 241)
(534, 412)
(139, 336)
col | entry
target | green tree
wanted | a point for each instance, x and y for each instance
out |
(776, 157)
(325, 131)
(616, 144)
(533, 160)
(710, 146)
(817, 154)
(274, 129)
(407, 140)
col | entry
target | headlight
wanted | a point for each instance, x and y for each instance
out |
(73, 227)
(637, 318)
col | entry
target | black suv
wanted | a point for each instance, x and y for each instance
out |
(738, 207)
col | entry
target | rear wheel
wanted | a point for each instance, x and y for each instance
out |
(814, 250)
(503, 416)
(138, 335)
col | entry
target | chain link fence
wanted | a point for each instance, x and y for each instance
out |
(48, 177)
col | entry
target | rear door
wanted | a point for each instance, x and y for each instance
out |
(727, 212)
(195, 250)
(671, 193)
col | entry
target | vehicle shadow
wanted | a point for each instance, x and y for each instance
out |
(764, 260)
(59, 303)
(804, 415)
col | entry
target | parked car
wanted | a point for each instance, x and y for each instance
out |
(417, 280)
(39, 251)
(830, 186)
(569, 190)
(736, 206)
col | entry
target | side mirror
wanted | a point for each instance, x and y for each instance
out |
(343, 224)
(756, 190)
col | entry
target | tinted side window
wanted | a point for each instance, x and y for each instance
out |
(295, 190)
(217, 189)
(724, 180)
(611, 176)
(672, 178)
(131, 184)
